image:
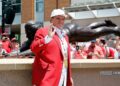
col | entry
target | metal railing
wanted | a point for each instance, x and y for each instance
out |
(91, 2)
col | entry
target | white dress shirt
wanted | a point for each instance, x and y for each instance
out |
(63, 79)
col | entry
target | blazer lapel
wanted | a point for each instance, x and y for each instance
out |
(55, 37)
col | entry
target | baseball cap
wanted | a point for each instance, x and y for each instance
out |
(57, 12)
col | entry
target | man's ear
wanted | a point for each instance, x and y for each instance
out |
(51, 19)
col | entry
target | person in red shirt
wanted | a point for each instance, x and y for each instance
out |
(6, 42)
(2, 51)
(80, 52)
(94, 51)
(109, 52)
(14, 45)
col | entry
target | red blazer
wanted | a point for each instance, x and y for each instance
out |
(48, 61)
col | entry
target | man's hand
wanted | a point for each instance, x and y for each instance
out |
(72, 83)
(51, 31)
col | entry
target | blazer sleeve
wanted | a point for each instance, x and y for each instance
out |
(38, 43)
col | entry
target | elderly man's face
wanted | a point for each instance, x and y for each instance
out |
(58, 21)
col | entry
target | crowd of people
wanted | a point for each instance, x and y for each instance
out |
(100, 48)
(8, 45)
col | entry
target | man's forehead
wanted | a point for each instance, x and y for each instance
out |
(59, 16)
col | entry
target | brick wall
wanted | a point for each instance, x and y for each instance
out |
(27, 10)
(52, 4)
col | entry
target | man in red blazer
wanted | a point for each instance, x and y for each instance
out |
(51, 47)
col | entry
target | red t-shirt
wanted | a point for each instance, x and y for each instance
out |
(6, 46)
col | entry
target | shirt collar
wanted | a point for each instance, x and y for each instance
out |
(59, 32)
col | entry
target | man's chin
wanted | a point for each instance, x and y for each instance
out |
(60, 26)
